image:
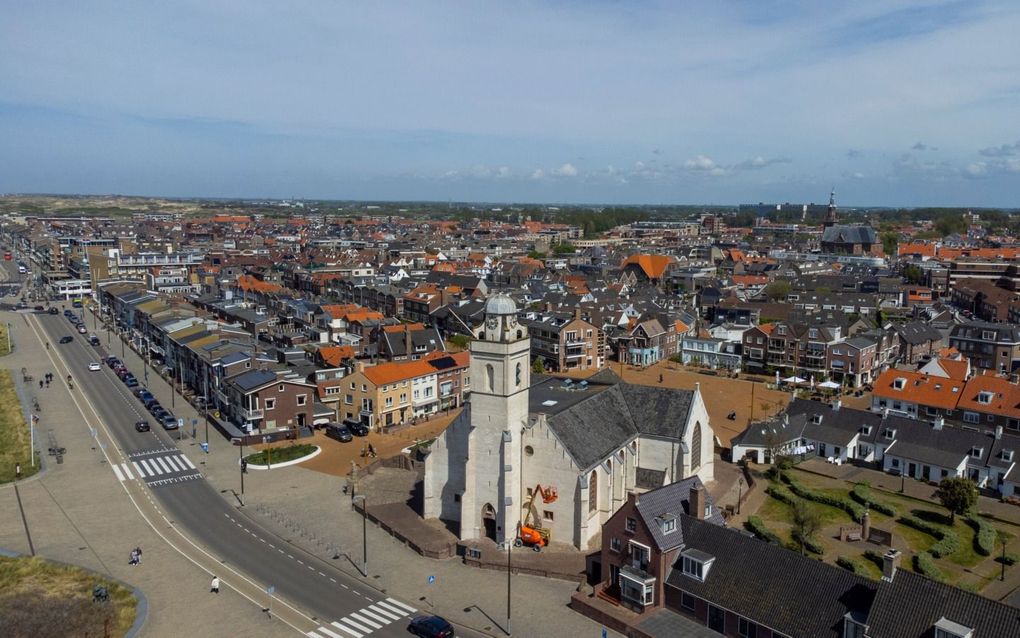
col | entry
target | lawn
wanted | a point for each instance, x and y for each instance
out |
(39, 598)
(965, 567)
(14, 435)
(280, 454)
(3, 341)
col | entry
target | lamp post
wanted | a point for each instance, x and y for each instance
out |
(1002, 561)
(364, 533)
(903, 481)
(241, 463)
(509, 546)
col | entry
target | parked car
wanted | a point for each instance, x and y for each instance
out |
(93, 339)
(39, 308)
(153, 407)
(169, 421)
(357, 428)
(82, 329)
(339, 432)
(149, 401)
(66, 339)
(53, 311)
(431, 627)
(111, 360)
(142, 426)
(94, 367)
(67, 313)
(131, 382)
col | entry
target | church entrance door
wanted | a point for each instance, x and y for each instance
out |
(489, 521)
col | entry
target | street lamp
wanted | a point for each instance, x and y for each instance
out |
(903, 482)
(509, 546)
(364, 532)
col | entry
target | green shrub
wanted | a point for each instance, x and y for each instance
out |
(853, 509)
(757, 527)
(780, 493)
(924, 564)
(862, 494)
(810, 544)
(948, 541)
(852, 565)
(985, 538)
(875, 557)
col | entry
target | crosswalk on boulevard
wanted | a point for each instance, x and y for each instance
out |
(366, 620)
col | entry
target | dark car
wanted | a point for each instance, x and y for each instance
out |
(66, 339)
(53, 311)
(431, 627)
(339, 432)
(39, 308)
(112, 360)
(131, 382)
(142, 426)
(357, 428)
(94, 340)
(67, 313)
(149, 401)
(153, 407)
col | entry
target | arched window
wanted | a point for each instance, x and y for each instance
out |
(593, 490)
(518, 374)
(490, 380)
(696, 448)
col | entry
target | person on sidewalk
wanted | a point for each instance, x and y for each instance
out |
(134, 558)
(371, 451)
(138, 554)
(214, 588)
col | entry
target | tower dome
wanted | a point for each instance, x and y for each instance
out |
(500, 304)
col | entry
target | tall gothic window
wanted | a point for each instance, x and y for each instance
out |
(593, 491)
(518, 374)
(490, 380)
(696, 448)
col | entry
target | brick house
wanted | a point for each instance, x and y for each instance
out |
(990, 346)
(853, 362)
(918, 339)
(566, 342)
(261, 400)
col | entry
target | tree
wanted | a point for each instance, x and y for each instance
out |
(957, 494)
(537, 366)
(806, 521)
(777, 290)
(889, 241)
(564, 249)
(914, 274)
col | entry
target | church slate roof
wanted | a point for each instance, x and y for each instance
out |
(850, 235)
(594, 421)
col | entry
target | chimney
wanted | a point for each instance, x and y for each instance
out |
(837, 405)
(359, 366)
(998, 432)
(548, 306)
(890, 563)
(697, 502)
(408, 346)
(577, 313)
(939, 422)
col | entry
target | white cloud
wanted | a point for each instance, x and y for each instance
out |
(977, 169)
(537, 174)
(700, 163)
(857, 175)
(567, 170)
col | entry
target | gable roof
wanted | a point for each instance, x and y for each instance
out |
(654, 266)
(675, 500)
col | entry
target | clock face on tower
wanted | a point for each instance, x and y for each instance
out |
(492, 323)
(511, 321)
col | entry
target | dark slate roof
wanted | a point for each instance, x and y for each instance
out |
(675, 500)
(594, 420)
(917, 332)
(669, 624)
(911, 604)
(850, 235)
(801, 597)
(252, 379)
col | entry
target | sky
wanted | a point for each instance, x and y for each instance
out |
(890, 102)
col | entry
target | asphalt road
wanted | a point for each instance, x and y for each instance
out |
(324, 593)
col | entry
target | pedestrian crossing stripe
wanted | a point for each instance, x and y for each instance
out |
(363, 622)
(159, 470)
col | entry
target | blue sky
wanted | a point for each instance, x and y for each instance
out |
(893, 102)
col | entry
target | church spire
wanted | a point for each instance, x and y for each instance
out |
(830, 215)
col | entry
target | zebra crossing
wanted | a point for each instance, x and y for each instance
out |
(366, 620)
(157, 467)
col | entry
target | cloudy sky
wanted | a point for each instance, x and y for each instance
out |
(894, 102)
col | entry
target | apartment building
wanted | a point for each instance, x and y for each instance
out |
(990, 346)
(791, 347)
(564, 341)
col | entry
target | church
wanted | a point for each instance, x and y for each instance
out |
(558, 454)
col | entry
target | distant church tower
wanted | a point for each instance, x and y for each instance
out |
(830, 215)
(500, 378)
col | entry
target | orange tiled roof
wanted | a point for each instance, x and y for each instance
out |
(1003, 397)
(398, 371)
(337, 311)
(750, 280)
(653, 265)
(335, 355)
(918, 388)
(413, 327)
(956, 368)
(250, 283)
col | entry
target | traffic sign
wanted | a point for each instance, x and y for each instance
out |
(180, 422)
(204, 446)
(271, 589)
(432, 579)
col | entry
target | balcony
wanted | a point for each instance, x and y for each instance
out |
(251, 415)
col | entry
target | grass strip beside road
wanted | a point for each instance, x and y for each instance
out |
(3, 341)
(40, 598)
(280, 454)
(15, 438)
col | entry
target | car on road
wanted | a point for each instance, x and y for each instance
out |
(149, 401)
(142, 426)
(130, 381)
(53, 311)
(93, 339)
(39, 308)
(339, 432)
(82, 329)
(431, 627)
(94, 367)
(169, 422)
(112, 361)
(357, 428)
(66, 339)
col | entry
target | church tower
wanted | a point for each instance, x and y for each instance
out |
(500, 377)
(830, 214)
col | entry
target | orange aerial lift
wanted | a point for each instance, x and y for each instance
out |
(529, 533)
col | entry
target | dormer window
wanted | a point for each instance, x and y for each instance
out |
(946, 628)
(976, 452)
(866, 430)
(988, 335)
(697, 563)
(899, 383)
(1007, 455)
(890, 433)
(667, 523)
(781, 331)
(985, 397)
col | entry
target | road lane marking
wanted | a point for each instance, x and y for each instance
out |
(379, 609)
(385, 605)
(170, 461)
(350, 631)
(162, 463)
(350, 622)
(138, 468)
(116, 470)
(186, 461)
(330, 633)
(155, 466)
(370, 623)
(368, 612)
(312, 634)
(401, 605)
(127, 471)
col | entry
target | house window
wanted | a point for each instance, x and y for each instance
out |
(353, 387)
(614, 544)
(687, 601)
(985, 397)
(971, 417)
(1007, 455)
(389, 402)
(852, 628)
(639, 556)
(694, 568)
(890, 434)
(548, 515)
(270, 404)
(668, 524)
(302, 399)
(593, 491)
(281, 387)
(349, 399)
(631, 525)
(364, 388)
(976, 452)
(747, 629)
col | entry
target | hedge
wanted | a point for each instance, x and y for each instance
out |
(925, 565)
(780, 493)
(948, 543)
(984, 540)
(755, 525)
(851, 565)
(862, 494)
(810, 544)
(855, 511)
(875, 557)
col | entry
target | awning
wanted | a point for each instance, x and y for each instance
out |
(829, 385)
(794, 379)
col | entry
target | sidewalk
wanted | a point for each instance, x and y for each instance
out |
(78, 514)
(310, 510)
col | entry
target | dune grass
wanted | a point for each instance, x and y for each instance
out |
(15, 439)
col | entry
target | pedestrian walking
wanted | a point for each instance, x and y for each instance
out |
(134, 558)
(214, 588)
(138, 554)
(371, 451)
(40, 384)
